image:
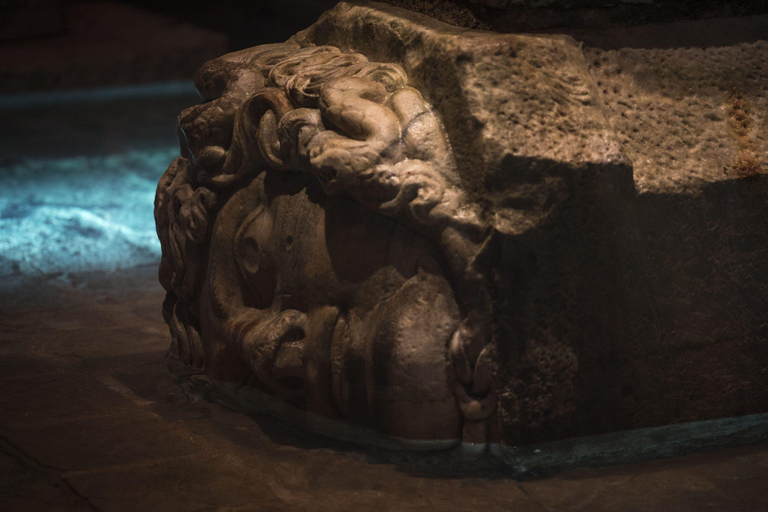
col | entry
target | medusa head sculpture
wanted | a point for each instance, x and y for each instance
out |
(318, 244)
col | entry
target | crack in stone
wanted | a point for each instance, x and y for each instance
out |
(43, 471)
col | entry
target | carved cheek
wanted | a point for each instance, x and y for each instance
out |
(390, 367)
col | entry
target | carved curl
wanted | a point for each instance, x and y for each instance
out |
(360, 131)
(182, 217)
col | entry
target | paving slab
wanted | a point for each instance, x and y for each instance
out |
(117, 432)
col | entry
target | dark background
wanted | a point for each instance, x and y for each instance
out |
(245, 23)
(253, 22)
(50, 45)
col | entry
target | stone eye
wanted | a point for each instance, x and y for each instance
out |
(251, 256)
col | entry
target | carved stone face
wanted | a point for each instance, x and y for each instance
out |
(332, 308)
(304, 236)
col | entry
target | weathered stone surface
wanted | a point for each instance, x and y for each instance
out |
(504, 99)
(435, 232)
(692, 328)
(532, 145)
(334, 296)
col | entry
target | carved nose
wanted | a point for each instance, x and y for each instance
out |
(288, 365)
(275, 349)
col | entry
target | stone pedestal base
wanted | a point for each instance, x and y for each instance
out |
(442, 234)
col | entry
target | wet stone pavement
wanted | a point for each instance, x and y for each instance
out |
(92, 420)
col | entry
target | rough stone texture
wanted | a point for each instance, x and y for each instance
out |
(629, 296)
(582, 299)
(693, 326)
(317, 106)
(532, 142)
(687, 117)
(458, 14)
(500, 97)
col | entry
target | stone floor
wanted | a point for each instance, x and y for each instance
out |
(92, 420)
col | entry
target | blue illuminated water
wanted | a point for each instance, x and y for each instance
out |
(77, 179)
(80, 213)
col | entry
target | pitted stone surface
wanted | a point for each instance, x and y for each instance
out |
(495, 172)
(676, 111)
(503, 98)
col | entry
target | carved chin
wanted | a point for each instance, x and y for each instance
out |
(390, 370)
